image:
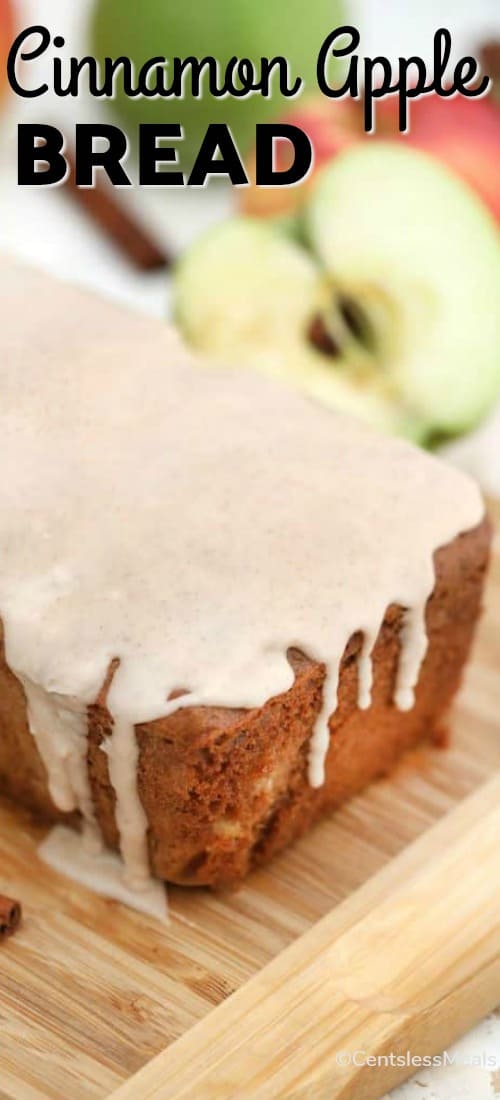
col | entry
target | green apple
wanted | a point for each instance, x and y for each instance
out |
(410, 243)
(222, 29)
(247, 295)
(389, 311)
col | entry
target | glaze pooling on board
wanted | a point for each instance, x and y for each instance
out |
(195, 524)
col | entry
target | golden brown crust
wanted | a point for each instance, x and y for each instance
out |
(224, 790)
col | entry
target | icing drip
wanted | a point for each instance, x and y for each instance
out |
(123, 754)
(192, 525)
(365, 672)
(413, 650)
(320, 739)
(101, 872)
(59, 725)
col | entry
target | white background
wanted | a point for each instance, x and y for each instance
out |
(45, 227)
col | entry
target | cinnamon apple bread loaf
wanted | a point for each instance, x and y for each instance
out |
(224, 789)
(225, 609)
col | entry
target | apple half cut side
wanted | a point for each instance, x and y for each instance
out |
(419, 256)
(247, 296)
(391, 312)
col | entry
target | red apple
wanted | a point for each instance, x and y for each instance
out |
(6, 38)
(463, 133)
(329, 131)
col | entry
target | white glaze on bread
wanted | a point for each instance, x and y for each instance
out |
(193, 524)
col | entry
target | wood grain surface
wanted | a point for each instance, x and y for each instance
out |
(406, 963)
(90, 992)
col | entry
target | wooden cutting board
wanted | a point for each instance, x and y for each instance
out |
(90, 992)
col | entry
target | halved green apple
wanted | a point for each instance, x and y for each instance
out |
(393, 311)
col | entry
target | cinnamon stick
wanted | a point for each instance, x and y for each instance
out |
(489, 57)
(10, 916)
(122, 227)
